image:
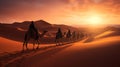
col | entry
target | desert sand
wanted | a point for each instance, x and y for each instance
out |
(7, 45)
(103, 52)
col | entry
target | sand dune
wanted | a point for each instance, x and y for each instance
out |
(106, 33)
(101, 53)
(11, 50)
(7, 45)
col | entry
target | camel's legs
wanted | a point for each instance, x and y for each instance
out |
(26, 43)
(68, 40)
(34, 44)
(62, 41)
(38, 44)
(23, 44)
(57, 42)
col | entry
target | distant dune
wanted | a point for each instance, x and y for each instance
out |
(103, 33)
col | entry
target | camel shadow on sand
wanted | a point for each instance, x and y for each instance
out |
(10, 58)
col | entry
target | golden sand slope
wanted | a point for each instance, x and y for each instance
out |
(7, 45)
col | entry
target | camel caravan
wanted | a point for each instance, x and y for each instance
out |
(68, 37)
(60, 38)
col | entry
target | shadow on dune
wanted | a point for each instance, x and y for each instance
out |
(15, 57)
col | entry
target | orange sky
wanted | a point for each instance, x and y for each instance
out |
(60, 11)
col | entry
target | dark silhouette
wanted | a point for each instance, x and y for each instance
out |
(32, 33)
(32, 29)
(39, 36)
(68, 35)
(74, 37)
(64, 34)
(78, 36)
(59, 36)
(81, 35)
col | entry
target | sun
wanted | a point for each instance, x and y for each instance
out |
(94, 20)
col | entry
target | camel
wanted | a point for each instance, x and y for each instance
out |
(69, 35)
(60, 40)
(59, 37)
(73, 36)
(31, 35)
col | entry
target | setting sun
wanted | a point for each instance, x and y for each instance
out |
(94, 20)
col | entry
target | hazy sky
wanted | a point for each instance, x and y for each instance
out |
(59, 11)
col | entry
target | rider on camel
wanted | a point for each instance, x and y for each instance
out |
(32, 28)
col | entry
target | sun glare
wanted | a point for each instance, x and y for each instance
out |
(94, 20)
(91, 19)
